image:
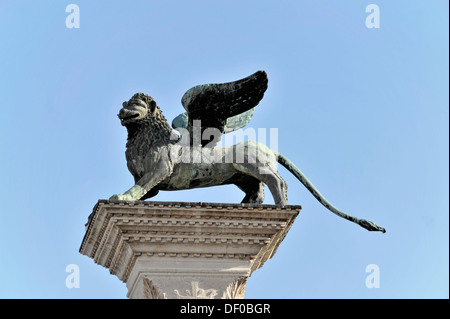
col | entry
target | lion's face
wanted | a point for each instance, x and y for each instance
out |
(138, 107)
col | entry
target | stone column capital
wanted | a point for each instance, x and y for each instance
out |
(184, 250)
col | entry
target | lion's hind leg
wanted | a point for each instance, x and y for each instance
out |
(277, 186)
(253, 189)
(269, 176)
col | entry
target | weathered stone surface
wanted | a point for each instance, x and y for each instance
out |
(185, 250)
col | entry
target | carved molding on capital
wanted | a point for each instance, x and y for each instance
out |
(236, 289)
(196, 292)
(151, 291)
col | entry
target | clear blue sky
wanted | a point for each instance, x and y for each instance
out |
(363, 112)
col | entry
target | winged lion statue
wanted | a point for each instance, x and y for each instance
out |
(160, 159)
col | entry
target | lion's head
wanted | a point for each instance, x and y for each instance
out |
(145, 122)
(137, 108)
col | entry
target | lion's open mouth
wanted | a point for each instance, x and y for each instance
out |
(129, 117)
(127, 114)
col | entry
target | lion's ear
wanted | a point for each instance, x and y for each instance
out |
(124, 104)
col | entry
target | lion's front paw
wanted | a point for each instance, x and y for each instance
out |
(115, 197)
(120, 197)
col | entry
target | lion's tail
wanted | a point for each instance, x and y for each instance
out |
(283, 160)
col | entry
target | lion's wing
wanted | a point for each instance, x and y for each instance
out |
(225, 106)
